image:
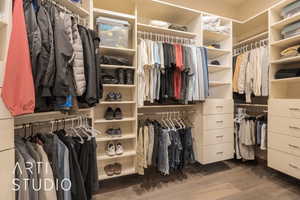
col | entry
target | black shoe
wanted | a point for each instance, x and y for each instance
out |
(118, 132)
(118, 96)
(111, 96)
(108, 79)
(118, 114)
(129, 76)
(120, 76)
(114, 132)
(109, 114)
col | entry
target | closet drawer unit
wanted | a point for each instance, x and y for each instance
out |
(284, 143)
(215, 106)
(284, 108)
(284, 125)
(6, 134)
(217, 136)
(216, 153)
(4, 113)
(287, 163)
(211, 122)
(6, 173)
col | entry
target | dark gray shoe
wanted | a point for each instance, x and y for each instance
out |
(120, 75)
(118, 96)
(111, 96)
(109, 114)
(118, 114)
(129, 76)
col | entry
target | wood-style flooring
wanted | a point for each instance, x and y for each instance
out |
(229, 180)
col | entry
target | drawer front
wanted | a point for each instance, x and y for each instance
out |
(218, 136)
(6, 173)
(284, 108)
(284, 162)
(212, 122)
(284, 143)
(217, 153)
(283, 125)
(215, 106)
(6, 134)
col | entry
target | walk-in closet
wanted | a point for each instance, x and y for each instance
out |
(149, 99)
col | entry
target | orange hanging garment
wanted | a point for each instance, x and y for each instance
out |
(18, 86)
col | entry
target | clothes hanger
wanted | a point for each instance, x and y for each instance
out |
(77, 134)
(83, 130)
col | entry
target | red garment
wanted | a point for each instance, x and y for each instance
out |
(18, 87)
(177, 72)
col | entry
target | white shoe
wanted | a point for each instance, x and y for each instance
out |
(111, 149)
(119, 149)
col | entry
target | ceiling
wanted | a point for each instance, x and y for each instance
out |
(234, 2)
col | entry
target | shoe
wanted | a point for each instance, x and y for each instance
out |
(110, 149)
(118, 96)
(114, 132)
(109, 114)
(129, 75)
(118, 114)
(111, 96)
(117, 168)
(120, 76)
(109, 79)
(119, 149)
(118, 132)
(109, 170)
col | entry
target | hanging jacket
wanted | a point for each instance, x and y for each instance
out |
(89, 98)
(45, 73)
(33, 34)
(78, 64)
(18, 88)
(99, 85)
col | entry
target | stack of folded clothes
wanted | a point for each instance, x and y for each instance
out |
(291, 30)
(287, 73)
(290, 51)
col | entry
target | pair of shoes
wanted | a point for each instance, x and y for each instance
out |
(114, 169)
(125, 76)
(114, 149)
(111, 114)
(113, 96)
(114, 132)
(109, 79)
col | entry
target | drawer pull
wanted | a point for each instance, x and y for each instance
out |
(219, 106)
(293, 166)
(295, 127)
(294, 109)
(220, 121)
(220, 153)
(220, 136)
(294, 146)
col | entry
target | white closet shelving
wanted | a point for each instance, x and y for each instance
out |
(128, 124)
(284, 102)
(7, 153)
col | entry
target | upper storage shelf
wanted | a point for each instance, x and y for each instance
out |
(115, 15)
(74, 8)
(123, 6)
(160, 10)
(160, 30)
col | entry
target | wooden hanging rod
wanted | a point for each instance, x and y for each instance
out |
(252, 105)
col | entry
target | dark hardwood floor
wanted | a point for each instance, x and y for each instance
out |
(230, 180)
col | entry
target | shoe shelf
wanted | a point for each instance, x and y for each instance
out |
(116, 50)
(124, 173)
(216, 68)
(117, 67)
(286, 80)
(125, 154)
(116, 102)
(123, 137)
(119, 85)
(116, 120)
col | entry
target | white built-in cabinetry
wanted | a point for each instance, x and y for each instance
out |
(284, 102)
(6, 121)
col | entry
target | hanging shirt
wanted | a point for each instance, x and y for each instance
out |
(18, 88)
